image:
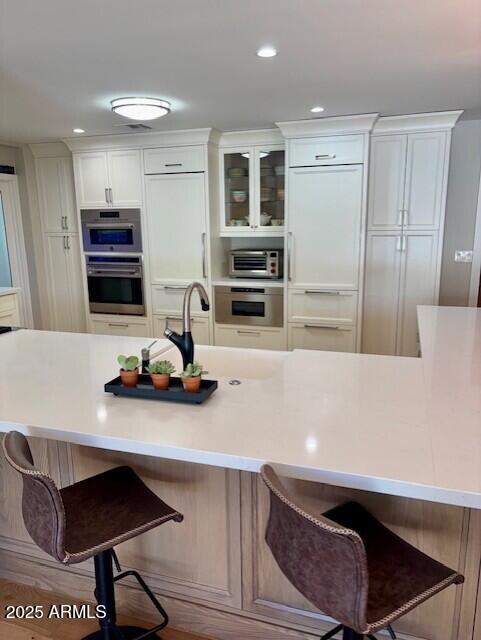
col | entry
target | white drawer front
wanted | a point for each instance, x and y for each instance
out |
(174, 159)
(199, 326)
(322, 304)
(249, 338)
(322, 336)
(168, 298)
(119, 327)
(309, 152)
(8, 303)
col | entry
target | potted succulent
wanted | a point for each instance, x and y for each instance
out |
(160, 373)
(129, 370)
(191, 377)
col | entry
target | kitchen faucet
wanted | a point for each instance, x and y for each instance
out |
(184, 342)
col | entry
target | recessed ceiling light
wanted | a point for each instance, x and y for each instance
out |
(78, 130)
(317, 109)
(140, 108)
(267, 52)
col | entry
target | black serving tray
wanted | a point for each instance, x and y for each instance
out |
(175, 392)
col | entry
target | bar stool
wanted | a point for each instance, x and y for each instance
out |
(349, 565)
(87, 519)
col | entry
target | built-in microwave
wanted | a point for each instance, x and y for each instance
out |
(110, 230)
(256, 306)
(256, 263)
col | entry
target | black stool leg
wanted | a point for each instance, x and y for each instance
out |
(332, 632)
(349, 634)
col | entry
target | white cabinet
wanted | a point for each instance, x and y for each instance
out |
(199, 326)
(252, 181)
(250, 337)
(174, 159)
(326, 150)
(66, 304)
(325, 209)
(323, 305)
(177, 227)
(406, 181)
(9, 315)
(119, 326)
(108, 178)
(56, 194)
(321, 336)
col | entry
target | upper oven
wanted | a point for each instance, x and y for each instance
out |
(110, 230)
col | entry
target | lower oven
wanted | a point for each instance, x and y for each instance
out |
(115, 284)
(252, 306)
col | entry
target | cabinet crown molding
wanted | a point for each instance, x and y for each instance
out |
(416, 122)
(146, 140)
(338, 125)
(49, 150)
(249, 138)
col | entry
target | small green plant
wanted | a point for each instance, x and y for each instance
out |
(162, 366)
(128, 363)
(192, 370)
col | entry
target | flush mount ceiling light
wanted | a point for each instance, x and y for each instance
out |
(262, 154)
(267, 52)
(317, 109)
(78, 130)
(140, 108)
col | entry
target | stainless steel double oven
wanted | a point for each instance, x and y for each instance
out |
(112, 242)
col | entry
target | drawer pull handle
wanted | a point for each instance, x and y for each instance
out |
(326, 326)
(325, 156)
(118, 324)
(173, 164)
(323, 293)
(174, 287)
(248, 333)
(177, 318)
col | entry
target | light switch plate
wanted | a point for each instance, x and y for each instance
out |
(463, 256)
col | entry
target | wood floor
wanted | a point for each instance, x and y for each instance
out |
(53, 629)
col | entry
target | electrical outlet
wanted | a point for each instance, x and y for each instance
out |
(463, 256)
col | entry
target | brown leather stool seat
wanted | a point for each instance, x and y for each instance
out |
(348, 564)
(87, 519)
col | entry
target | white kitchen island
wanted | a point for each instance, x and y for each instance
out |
(383, 429)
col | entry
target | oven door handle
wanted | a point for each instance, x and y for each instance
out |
(119, 274)
(109, 225)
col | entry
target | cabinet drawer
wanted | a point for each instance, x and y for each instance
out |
(200, 327)
(322, 304)
(322, 336)
(169, 298)
(249, 338)
(9, 318)
(308, 152)
(8, 304)
(120, 327)
(174, 159)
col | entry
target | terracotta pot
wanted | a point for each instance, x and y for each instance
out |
(129, 378)
(192, 385)
(160, 381)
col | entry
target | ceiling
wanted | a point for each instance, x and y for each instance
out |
(61, 61)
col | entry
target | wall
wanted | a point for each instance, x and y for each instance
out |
(462, 197)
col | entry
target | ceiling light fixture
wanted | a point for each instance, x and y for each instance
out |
(317, 109)
(78, 130)
(262, 154)
(267, 52)
(140, 108)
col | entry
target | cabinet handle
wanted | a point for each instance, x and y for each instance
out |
(405, 217)
(117, 324)
(173, 164)
(400, 218)
(289, 252)
(68, 242)
(325, 326)
(248, 333)
(111, 196)
(323, 156)
(177, 318)
(323, 293)
(64, 243)
(106, 195)
(175, 287)
(404, 243)
(204, 263)
(398, 243)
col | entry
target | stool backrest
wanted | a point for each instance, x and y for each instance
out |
(323, 560)
(42, 506)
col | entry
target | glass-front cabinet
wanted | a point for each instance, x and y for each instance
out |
(252, 190)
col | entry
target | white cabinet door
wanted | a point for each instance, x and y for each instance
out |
(92, 179)
(381, 293)
(56, 194)
(322, 337)
(417, 286)
(386, 182)
(424, 180)
(176, 220)
(125, 178)
(199, 326)
(9, 316)
(325, 205)
(65, 283)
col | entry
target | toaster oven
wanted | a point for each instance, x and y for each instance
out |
(251, 263)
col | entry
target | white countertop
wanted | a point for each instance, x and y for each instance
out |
(400, 426)
(7, 291)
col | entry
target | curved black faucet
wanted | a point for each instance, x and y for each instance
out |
(184, 342)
